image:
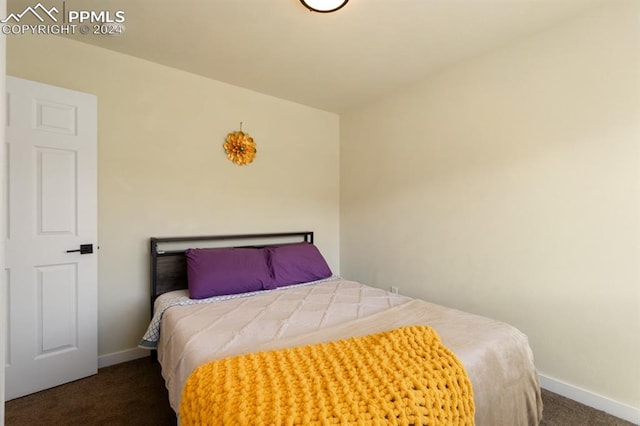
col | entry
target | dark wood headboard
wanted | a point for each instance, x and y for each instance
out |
(168, 262)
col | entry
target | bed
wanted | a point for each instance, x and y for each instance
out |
(188, 333)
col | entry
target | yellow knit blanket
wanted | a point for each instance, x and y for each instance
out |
(405, 376)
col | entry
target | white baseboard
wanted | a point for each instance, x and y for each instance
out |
(591, 399)
(122, 356)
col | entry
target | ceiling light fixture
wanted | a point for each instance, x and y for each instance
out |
(323, 6)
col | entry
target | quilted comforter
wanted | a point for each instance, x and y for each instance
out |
(496, 356)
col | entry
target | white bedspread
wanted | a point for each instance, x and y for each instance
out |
(497, 356)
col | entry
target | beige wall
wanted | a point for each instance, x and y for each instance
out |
(163, 172)
(509, 185)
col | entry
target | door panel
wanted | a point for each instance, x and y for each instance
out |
(55, 117)
(57, 302)
(56, 192)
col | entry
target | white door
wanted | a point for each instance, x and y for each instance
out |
(52, 209)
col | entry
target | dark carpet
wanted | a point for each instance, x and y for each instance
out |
(133, 393)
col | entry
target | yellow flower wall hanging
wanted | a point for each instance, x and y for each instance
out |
(240, 147)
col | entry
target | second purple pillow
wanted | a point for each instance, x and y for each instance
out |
(297, 263)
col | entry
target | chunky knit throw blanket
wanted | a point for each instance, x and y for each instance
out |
(405, 376)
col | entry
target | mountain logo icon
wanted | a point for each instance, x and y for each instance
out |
(38, 11)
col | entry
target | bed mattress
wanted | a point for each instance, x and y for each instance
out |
(496, 356)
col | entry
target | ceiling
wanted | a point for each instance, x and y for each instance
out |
(332, 61)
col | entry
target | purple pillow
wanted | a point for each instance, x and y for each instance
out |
(219, 271)
(296, 263)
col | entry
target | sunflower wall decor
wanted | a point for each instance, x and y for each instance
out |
(240, 147)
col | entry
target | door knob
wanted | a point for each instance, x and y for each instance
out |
(84, 249)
